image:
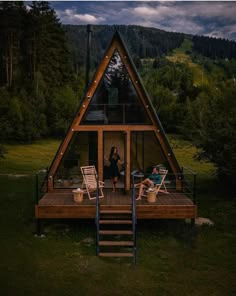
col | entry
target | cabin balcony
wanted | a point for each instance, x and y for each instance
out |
(176, 204)
(115, 114)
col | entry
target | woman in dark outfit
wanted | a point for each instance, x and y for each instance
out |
(114, 170)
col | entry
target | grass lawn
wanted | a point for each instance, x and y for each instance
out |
(64, 263)
(25, 159)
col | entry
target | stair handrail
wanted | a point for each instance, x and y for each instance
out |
(97, 216)
(134, 219)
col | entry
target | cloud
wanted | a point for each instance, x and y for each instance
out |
(220, 10)
(204, 18)
(229, 30)
(193, 17)
(160, 11)
(70, 16)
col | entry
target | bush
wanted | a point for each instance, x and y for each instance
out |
(213, 122)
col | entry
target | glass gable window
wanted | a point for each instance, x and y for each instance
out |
(145, 152)
(116, 100)
(81, 151)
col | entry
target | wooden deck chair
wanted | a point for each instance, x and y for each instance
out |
(90, 182)
(163, 173)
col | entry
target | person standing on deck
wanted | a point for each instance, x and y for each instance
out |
(114, 170)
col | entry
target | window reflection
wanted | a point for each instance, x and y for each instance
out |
(115, 100)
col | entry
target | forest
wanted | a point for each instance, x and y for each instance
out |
(190, 79)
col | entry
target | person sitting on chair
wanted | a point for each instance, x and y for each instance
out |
(150, 181)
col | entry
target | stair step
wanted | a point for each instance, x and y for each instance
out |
(116, 254)
(115, 232)
(118, 243)
(115, 212)
(115, 221)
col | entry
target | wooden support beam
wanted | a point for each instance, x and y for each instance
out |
(116, 128)
(127, 175)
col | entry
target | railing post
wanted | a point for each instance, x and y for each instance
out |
(97, 216)
(123, 109)
(47, 177)
(194, 188)
(36, 189)
(104, 111)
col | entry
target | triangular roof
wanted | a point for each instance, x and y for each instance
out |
(117, 44)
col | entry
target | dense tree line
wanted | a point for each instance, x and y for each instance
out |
(214, 48)
(141, 42)
(37, 86)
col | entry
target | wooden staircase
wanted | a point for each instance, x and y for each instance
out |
(116, 235)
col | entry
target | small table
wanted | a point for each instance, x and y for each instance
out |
(138, 175)
(78, 195)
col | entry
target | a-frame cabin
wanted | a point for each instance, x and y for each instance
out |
(115, 111)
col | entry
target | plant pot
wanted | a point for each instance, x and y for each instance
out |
(78, 195)
(151, 196)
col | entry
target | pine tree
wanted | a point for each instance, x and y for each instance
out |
(11, 15)
(49, 54)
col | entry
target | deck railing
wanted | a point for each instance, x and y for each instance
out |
(126, 113)
(97, 219)
(179, 183)
(190, 181)
(41, 182)
(184, 182)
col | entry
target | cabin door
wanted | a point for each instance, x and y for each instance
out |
(117, 139)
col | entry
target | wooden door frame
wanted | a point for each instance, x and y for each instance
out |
(101, 135)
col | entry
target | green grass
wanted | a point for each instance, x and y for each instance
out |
(185, 152)
(28, 158)
(170, 261)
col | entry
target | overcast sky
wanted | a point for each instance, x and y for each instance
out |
(212, 18)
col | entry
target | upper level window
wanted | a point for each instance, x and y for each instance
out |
(116, 101)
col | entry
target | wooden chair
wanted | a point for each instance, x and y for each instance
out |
(89, 174)
(163, 173)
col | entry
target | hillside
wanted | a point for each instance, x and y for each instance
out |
(143, 42)
(182, 55)
(205, 71)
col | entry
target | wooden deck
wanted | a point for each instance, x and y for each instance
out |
(60, 204)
